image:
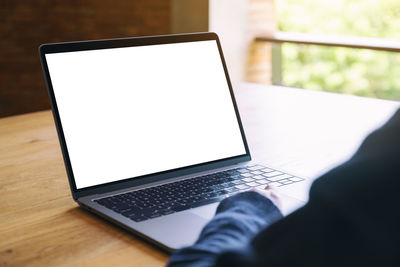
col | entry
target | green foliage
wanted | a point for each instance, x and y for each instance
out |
(342, 70)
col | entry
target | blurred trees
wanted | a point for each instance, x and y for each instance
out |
(342, 70)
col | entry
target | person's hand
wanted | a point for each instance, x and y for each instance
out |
(270, 193)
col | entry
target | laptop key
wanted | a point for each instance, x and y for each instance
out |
(285, 176)
(146, 205)
(179, 207)
(146, 212)
(255, 167)
(241, 186)
(243, 170)
(156, 201)
(166, 211)
(154, 215)
(276, 184)
(186, 201)
(221, 193)
(209, 195)
(263, 181)
(163, 206)
(207, 201)
(138, 218)
(216, 187)
(271, 174)
(131, 211)
(296, 179)
(105, 202)
(165, 199)
(285, 182)
(231, 189)
(122, 206)
(267, 170)
(252, 184)
(202, 197)
(276, 178)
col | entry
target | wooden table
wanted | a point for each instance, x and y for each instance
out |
(40, 225)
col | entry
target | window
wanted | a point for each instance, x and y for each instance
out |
(371, 72)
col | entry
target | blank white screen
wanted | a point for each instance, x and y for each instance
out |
(132, 111)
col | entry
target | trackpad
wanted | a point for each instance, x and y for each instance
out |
(289, 204)
(207, 211)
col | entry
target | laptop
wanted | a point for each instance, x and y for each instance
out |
(151, 134)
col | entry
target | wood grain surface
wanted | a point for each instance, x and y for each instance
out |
(298, 131)
(40, 224)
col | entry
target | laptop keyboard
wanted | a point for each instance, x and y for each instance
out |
(190, 193)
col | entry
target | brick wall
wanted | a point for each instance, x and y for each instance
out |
(262, 21)
(25, 24)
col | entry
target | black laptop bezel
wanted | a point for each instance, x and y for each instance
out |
(129, 42)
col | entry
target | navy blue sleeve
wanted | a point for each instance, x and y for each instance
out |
(238, 219)
(351, 218)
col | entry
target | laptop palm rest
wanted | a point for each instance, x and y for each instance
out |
(206, 212)
(183, 229)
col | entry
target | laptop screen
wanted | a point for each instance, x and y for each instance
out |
(132, 111)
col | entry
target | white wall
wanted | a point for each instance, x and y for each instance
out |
(237, 22)
(229, 19)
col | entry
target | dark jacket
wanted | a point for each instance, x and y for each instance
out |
(352, 218)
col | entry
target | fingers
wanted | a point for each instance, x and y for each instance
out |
(270, 187)
(270, 192)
